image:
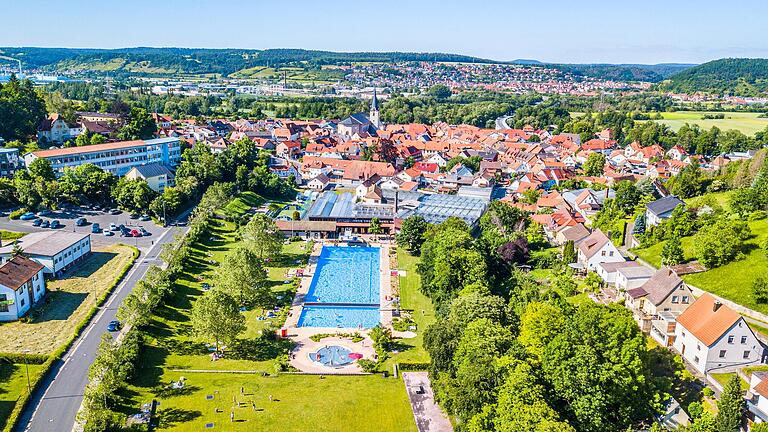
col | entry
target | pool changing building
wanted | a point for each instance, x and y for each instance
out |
(339, 215)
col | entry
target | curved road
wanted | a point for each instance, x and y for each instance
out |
(55, 403)
(501, 122)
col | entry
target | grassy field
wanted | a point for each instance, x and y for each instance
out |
(13, 384)
(723, 379)
(292, 74)
(748, 123)
(732, 281)
(67, 302)
(422, 311)
(299, 402)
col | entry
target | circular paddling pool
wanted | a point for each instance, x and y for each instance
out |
(331, 356)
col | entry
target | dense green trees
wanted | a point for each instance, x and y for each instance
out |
(412, 232)
(133, 195)
(140, 125)
(730, 406)
(721, 242)
(595, 165)
(241, 275)
(262, 236)
(217, 315)
(21, 109)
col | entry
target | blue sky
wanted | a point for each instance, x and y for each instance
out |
(578, 31)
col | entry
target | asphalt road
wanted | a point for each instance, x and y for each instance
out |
(54, 405)
(501, 123)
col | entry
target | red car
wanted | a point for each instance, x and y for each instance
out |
(135, 233)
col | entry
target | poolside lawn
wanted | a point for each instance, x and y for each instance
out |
(423, 312)
(68, 300)
(13, 385)
(299, 403)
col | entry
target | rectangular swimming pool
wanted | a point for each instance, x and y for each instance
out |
(346, 275)
(340, 316)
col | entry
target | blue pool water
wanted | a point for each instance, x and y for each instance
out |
(340, 316)
(346, 275)
(331, 356)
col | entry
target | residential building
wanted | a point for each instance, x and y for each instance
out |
(596, 249)
(156, 175)
(608, 270)
(657, 302)
(117, 158)
(288, 149)
(631, 277)
(9, 161)
(56, 130)
(319, 182)
(57, 251)
(757, 398)
(22, 284)
(714, 338)
(661, 209)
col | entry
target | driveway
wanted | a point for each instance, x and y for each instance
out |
(67, 218)
(429, 416)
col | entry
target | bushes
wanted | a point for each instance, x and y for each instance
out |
(413, 366)
(721, 242)
(18, 358)
(16, 214)
(760, 290)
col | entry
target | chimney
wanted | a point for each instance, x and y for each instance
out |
(716, 306)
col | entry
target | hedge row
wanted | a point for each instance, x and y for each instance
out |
(413, 366)
(22, 402)
(19, 358)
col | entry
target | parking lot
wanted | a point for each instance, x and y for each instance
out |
(68, 216)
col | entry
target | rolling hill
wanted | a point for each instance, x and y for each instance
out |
(733, 76)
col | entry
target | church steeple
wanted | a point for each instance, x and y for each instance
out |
(373, 116)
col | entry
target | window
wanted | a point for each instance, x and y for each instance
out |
(730, 339)
(602, 253)
(22, 305)
(3, 304)
(746, 355)
(743, 340)
(695, 359)
(722, 353)
(698, 347)
(685, 299)
(610, 253)
(675, 299)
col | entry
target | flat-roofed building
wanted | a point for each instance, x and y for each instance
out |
(22, 284)
(117, 157)
(57, 251)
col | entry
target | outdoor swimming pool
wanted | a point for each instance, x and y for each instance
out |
(340, 316)
(346, 275)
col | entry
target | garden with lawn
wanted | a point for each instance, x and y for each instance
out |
(13, 385)
(68, 301)
(250, 379)
(733, 280)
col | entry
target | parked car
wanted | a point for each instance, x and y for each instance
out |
(144, 218)
(81, 221)
(95, 228)
(144, 232)
(113, 227)
(44, 213)
(45, 224)
(115, 211)
(28, 216)
(134, 233)
(108, 233)
(134, 216)
(181, 223)
(37, 222)
(55, 224)
(113, 326)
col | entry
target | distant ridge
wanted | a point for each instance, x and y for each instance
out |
(733, 76)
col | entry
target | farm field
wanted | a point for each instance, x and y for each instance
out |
(748, 123)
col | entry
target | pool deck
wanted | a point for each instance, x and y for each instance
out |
(301, 335)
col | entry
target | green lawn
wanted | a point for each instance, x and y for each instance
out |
(13, 385)
(723, 379)
(732, 281)
(423, 312)
(242, 203)
(299, 403)
(748, 123)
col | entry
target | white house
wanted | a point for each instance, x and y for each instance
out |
(596, 249)
(661, 209)
(632, 277)
(22, 285)
(757, 398)
(714, 338)
(319, 183)
(156, 175)
(57, 251)
(608, 270)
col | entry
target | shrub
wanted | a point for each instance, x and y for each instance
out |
(413, 366)
(16, 214)
(403, 324)
(708, 392)
(760, 290)
(369, 366)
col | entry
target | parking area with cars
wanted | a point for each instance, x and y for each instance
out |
(106, 226)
